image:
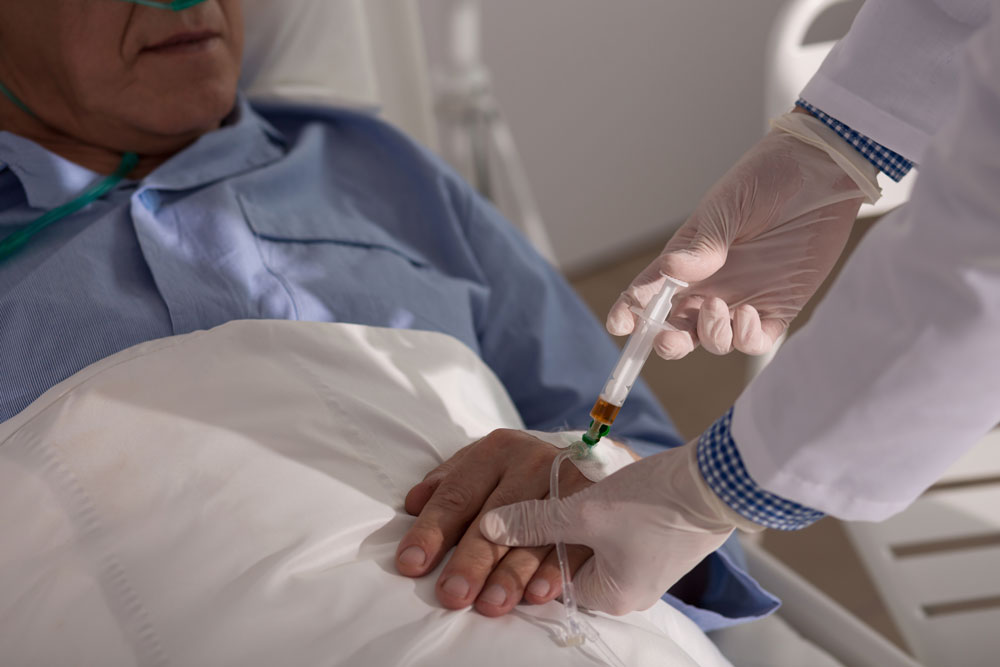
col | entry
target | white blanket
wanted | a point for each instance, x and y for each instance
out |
(234, 497)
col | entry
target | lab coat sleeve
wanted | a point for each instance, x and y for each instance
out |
(898, 371)
(894, 76)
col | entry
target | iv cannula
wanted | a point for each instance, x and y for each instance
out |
(651, 320)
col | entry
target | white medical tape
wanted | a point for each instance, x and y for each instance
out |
(605, 458)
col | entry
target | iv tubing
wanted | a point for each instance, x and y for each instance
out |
(574, 633)
(577, 630)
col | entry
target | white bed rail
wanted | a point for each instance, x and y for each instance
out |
(821, 620)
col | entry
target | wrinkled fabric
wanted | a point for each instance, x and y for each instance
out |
(235, 497)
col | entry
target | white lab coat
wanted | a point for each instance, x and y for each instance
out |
(898, 371)
(894, 76)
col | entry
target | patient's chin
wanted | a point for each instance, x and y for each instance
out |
(168, 114)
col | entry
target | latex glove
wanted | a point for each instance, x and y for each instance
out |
(648, 525)
(504, 466)
(760, 243)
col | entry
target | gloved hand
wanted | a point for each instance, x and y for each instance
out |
(759, 244)
(648, 524)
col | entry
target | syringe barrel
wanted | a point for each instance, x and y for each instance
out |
(640, 343)
(630, 363)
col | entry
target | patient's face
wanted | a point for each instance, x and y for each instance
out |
(92, 68)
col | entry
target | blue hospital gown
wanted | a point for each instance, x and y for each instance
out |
(306, 214)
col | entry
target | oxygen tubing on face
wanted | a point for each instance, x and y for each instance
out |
(17, 240)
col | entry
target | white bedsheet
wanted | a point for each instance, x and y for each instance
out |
(234, 497)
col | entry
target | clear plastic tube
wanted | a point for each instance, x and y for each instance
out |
(577, 630)
(574, 635)
(650, 322)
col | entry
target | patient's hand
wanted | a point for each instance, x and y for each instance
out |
(504, 467)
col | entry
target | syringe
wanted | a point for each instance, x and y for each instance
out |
(651, 321)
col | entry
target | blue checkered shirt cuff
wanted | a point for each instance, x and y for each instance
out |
(892, 164)
(722, 467)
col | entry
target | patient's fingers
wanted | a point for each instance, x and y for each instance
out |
(418, 496)
(503, 468)
(549, 577)
(505, 586)
(454, 503)
(531, 574)
(475, 557)
(501, 579)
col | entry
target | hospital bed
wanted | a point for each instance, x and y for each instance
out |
(83, 468)
(369, 55)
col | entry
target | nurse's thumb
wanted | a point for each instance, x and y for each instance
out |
(693, 263)
(596, 589)
(531, 523)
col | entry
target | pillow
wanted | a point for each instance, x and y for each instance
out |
(309, 51)
(234, 497)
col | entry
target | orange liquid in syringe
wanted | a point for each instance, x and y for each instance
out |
(604, 412)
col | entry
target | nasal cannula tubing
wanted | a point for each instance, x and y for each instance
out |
(652, 320)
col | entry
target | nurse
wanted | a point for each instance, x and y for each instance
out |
(898, 371)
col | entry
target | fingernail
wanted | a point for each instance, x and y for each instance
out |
(615, 326)
(539, 588)
(456, 586)
(413, 556)
(494, 595)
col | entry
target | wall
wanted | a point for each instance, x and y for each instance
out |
(625, 112)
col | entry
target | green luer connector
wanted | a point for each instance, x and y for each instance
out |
(595, 432)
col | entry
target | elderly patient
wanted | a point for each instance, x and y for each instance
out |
(234, 212)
